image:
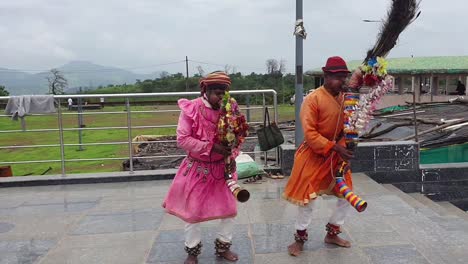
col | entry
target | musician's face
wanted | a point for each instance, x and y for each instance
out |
(336, 82)
(215, 96)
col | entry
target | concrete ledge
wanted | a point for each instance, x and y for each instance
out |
(106, 177)
(388, 159)
(444, 166)
(88, 178)
(386, 143)
(287, 152)
(444, 172)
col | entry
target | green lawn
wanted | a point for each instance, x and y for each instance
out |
(90, 136)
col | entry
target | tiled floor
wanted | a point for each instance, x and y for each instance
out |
(124, 223)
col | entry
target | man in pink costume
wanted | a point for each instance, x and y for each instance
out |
(199, 192)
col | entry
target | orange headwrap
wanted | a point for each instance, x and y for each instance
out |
(218, 77)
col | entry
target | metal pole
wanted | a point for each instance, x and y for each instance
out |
(60, 125)
(129, 126)
(431, 87)
(247, 102)
(186, 78)
(265, 153)
(299, 133)
(80, 123)
(414, 111)
(275, 106)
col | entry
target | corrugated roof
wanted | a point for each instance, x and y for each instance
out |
(418, 65)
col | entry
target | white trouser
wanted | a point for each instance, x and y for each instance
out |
(304, 215)
(193, 232)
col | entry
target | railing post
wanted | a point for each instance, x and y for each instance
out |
(247, 102)
(129, 126)
(62, 147)
(275, 106)
(264, 105)
(80, 123)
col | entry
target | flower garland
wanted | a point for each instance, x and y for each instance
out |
(232, 128)
(232, 125)
(374, 76)
(357, 114)
(232, 131)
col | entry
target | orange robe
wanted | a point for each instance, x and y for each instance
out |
(315, 164)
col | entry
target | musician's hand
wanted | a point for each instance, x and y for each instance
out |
(344, 153)
(232, 166)
(223, 150)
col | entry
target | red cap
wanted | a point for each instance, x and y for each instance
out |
(335, 64)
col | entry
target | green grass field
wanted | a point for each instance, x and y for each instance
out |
(70, 120)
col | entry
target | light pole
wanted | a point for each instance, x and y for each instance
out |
(299, 95)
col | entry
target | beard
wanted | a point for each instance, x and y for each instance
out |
(216, 105)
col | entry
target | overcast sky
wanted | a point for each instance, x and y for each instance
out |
(41, 34)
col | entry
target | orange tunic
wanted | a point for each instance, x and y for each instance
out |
(315, 165)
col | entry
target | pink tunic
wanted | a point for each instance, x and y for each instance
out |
(199, 192)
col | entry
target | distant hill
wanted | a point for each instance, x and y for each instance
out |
(78, 74)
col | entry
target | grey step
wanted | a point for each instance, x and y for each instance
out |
(404, 196)
(411, 201)
(430, 204)
(452, 209)
(445, 210)
(461, 203)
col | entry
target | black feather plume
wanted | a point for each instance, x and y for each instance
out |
(401, 14)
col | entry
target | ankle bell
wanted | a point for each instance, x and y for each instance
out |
(332, 230)
(195, 251)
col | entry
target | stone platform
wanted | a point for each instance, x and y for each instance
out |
(124, 223)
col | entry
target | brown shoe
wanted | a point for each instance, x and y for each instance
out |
(228, 255)
(191, 260)
(223, 251)
(193, 253)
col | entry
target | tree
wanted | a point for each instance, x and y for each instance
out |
(227, 68)
(276, 68)
(200, 70)
(3, 91)
(272, 66)
(57, 82)
(164, 75)
(282, 67)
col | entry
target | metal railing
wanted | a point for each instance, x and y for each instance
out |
(129, 127)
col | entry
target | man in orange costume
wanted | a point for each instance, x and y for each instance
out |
(318, 157)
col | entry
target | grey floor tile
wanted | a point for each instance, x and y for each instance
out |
(119, 248)
(24, 251)
(6, 227)
(47, 209)
(284, 257)
(119, 222)
(377, 238)
(401, 254)
(53, 226)
(115, 206)
(353, 255)
(125, 255)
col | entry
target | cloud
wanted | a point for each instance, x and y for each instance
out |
(41, 34)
